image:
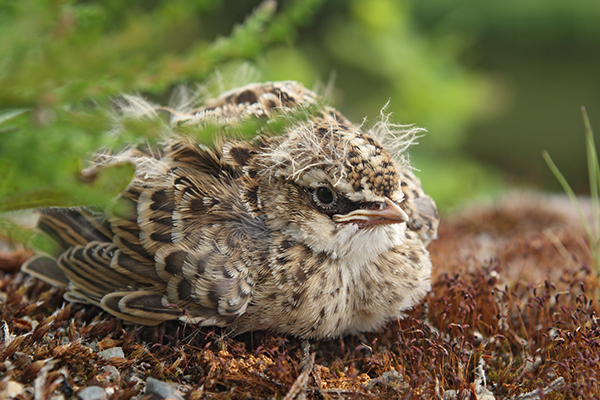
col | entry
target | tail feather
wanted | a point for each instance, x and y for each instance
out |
(46, 269)
(88, 270)
(74, 226)
(141, 307)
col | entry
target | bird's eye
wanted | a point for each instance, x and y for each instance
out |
(324, 196)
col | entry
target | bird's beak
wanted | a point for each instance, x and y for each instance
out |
(383, 213)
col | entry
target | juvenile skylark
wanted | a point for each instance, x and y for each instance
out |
(316, 231)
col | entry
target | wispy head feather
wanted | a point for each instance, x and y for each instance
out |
(396, 138)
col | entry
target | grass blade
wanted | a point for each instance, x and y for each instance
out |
(594, 175)
(567, 188)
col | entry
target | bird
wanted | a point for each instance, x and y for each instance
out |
(315, 228)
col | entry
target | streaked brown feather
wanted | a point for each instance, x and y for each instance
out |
(74, 226)
(46, 269)
(140, 307)
(123, 217)
(421, 209)
(155, 218)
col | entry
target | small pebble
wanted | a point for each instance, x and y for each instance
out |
(12, 390)
(110, 353)
(112, 373)
(92, 393)
(159, 390)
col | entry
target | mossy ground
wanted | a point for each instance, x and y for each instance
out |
(512, 310)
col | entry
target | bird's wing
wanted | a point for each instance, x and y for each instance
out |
(176, 245)
(217, 241)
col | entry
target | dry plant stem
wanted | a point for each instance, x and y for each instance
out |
(557, 384)
(300, 386)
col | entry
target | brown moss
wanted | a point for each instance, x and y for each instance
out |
(10, 261)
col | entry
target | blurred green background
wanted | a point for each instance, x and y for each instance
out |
(494, 83)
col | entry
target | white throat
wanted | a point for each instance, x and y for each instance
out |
(356, 247)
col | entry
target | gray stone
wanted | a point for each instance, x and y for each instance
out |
(92, 393)
(159, 390)
(110, 353)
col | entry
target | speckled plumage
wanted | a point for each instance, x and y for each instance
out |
(316, 231)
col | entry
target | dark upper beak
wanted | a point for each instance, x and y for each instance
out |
(387, 212)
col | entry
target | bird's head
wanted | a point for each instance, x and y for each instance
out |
(333, 188)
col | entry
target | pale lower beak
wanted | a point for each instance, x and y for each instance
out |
(387, 213)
